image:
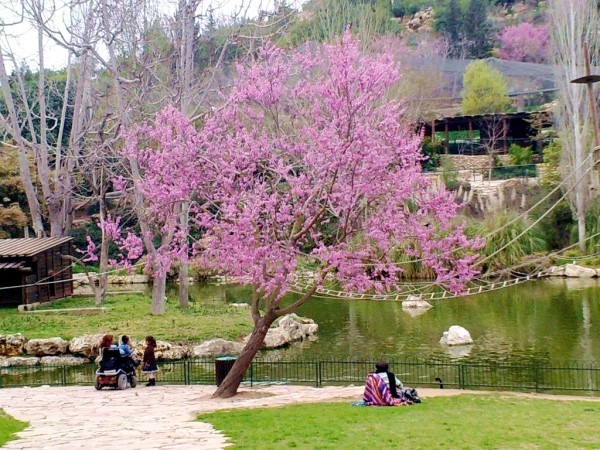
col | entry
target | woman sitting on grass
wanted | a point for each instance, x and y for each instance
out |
(378, 393)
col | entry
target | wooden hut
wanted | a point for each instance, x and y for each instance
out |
(33, 270)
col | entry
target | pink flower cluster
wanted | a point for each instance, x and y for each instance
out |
(309, 153)
(524, 42)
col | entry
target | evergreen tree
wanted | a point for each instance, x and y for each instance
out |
(477, 29)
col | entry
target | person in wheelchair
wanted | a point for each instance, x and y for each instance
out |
(126, 352)
(116, 370)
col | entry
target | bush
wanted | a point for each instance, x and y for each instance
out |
(432, 150)
(520, 155)
(531, 242)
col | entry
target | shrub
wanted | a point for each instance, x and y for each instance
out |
(520, 155)
(524, 42)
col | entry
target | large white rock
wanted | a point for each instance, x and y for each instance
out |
(19, 361)
(415, 304)
(163, 350)
(288, 329)
(216, 347)
(575, 271)
(456, 335)
(62, 360)
(11, 345)
(86, 345)
(49, 346)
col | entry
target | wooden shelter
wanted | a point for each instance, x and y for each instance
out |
(33, 270)
(502, 128)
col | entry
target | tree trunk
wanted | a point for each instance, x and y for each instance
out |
(231, 383)
(581, 232)
(184, 285)
(158, 295)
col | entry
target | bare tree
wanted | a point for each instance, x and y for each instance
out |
(573, 23)
(50, 137)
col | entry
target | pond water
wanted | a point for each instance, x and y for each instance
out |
(540, 322)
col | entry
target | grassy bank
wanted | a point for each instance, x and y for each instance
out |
(8, 427)
(130, 314)
(466, 422)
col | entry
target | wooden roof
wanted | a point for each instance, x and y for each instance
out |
(26, 247)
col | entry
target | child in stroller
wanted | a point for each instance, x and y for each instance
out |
(116, 370)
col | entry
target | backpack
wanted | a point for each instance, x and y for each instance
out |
(412, 395)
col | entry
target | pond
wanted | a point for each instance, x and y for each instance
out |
(541, 322)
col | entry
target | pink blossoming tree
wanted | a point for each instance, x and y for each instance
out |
(308, 154)
(524, 42)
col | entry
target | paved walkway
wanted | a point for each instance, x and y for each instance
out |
(161, 417)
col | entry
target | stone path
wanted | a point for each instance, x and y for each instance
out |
(162, 417)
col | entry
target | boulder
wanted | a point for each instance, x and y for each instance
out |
(288, 329)
(49, 346)
(163, 350)
(413, 302)
(86, 345)
(62, 360)
(12, 345)
(575, 271)
(456, 335)
(19, 361)
(216, 347)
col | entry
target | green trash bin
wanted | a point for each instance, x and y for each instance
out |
(223, 365)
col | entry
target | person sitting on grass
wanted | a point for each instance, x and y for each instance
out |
(382, 369)
(378, 393)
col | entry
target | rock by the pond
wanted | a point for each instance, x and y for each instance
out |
(216, 347)
(19, 361)
(456, 335)
(163, 350)
(49, 346)
(62, 360)
(290, 328)
(575, 271)
(414, 302)
(12, 345)
(86, 345)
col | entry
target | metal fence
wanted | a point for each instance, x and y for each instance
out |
(574, 377)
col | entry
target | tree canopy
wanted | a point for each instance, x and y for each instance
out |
(484, 90)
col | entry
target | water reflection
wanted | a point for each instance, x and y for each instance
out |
(539, 322)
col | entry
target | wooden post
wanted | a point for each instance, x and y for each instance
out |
(504, 134)
(446, 137)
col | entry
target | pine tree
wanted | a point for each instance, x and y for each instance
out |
(477, 29)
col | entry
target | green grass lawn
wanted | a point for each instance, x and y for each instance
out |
(130, 314)
(9, 426)
(459, 422)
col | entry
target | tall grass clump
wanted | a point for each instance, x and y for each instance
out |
(503, 228)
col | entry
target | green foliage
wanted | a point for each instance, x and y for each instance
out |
(438, 422)
(8, 427)
(449, 175)
(551, 175)
(130, 314)
(520, 155)
(592, 228)
(328, 19)
(448, 20)
(13, 202)
(477, 29)
(503, 233)
(485, 90)
(432, 150)
(401, 8)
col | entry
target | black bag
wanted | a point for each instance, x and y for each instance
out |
(412, 395)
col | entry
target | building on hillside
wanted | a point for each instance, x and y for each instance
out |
(475, 135)
(33, 270)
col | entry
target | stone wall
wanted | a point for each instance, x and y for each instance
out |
(476, 162)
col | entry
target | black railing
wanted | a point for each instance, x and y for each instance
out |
(565, 377)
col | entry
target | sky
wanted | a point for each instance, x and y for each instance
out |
(22, 40)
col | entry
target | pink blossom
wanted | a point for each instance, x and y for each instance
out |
(524, 42)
